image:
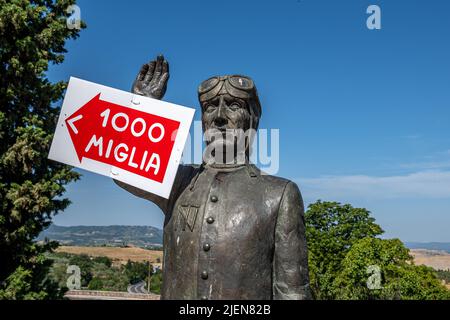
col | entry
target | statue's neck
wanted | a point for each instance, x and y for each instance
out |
(237, 161)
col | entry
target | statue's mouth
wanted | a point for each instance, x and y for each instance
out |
(222, 129)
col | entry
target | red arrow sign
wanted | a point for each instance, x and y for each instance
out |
(130, 139)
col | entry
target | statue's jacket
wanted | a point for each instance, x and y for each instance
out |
(232, 233)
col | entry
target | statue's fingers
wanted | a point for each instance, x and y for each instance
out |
(142, 72)
(158, 67)
(149, 75)
(163, 81)
(165, 67)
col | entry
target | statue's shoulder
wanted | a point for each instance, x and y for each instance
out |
(286, 192)
(270, 179)
(273, 184)
(278, 184)
(188, 170)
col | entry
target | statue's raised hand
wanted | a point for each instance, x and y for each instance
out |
(151, 80)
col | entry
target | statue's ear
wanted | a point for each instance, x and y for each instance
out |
(255, 122)
(255, 114)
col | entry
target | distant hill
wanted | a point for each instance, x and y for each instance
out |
(442, 246)
(140, 236)
(147, 236)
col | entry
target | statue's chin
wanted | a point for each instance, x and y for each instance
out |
(222, 152)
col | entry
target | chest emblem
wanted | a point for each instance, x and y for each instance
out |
(187, 215)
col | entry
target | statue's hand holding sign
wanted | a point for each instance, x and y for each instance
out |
(151, 80)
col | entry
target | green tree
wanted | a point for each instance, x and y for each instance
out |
(136, 271)
(156, 282)
(345, 253)
(331, 230)
(444, 275)
(31, 283)
(389, 261)
(105, 260)
(96, 274)
(32, 35)
(113, 278)
(95, 284)
(85, 263)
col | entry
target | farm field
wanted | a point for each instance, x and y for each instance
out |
(439, 260)
(119, 255)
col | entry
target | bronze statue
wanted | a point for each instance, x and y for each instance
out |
(230, 232)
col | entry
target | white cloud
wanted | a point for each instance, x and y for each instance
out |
(436, 161)
(425, 184)
(434, 165)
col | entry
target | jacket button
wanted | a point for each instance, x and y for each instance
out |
(214, 198)
(204, 275)
(210, 220)
(206, 246)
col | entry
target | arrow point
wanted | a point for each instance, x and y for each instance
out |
(70, 121)
(96, 98)
(77, 129)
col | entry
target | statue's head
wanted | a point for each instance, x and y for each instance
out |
(229, 103)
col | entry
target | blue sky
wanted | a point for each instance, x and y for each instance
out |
(363, 114)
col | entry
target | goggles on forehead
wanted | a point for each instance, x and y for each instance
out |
(237, 81)
(236, 85)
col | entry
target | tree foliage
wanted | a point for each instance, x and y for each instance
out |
(156, 282)
(345, 255)
(99, 273)
(137, 271)
(84, 262)
(32, 35)
(400, 278)
(331, 230)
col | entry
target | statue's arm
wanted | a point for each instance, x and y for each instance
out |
(290, 263)
(151, 81)
(182, 180)
(161, 202)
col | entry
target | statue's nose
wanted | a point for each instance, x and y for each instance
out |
(220, 119)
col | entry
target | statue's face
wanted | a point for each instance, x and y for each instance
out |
(225, 120)
(225, 112)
